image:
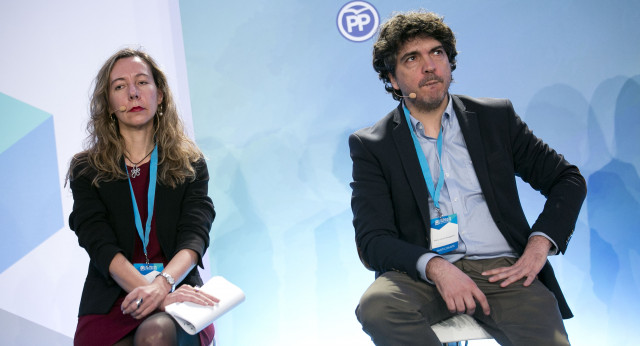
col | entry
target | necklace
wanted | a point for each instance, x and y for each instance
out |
(135, 171)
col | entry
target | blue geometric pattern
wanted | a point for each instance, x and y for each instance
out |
(30, 202)
(20, 119)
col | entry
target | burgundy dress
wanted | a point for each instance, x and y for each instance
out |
(96, 329)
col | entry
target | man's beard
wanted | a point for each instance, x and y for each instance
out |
(432, 103)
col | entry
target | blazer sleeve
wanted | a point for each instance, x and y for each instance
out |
(89, 219)
(194, 223)
(380, 244)
(548, 172)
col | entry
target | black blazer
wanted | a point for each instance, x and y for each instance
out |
(390, 197)
(104, 223)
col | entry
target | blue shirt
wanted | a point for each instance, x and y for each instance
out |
(479, 237)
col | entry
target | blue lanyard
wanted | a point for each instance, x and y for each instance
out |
(426, 172)
(151, 195)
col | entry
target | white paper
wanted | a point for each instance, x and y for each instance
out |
(193, 317)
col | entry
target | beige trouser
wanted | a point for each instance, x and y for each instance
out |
(396, 310)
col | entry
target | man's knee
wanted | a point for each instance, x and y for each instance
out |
(392, 319)
(373, 308)
(381, 309)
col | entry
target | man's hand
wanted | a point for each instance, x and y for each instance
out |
(529, 265)
(457, 289)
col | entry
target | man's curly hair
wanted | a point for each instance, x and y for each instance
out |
(404, 27)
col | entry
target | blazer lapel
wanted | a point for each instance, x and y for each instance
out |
(471, 132)
(116, 196)
(161, 204)
(411, 165)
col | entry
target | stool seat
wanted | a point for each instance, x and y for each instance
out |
(459, 328)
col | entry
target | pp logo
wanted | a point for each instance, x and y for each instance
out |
(358, 20)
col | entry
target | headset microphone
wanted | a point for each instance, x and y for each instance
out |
(411, 95)
(123, 108)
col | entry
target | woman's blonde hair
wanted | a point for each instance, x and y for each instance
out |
(105, 146)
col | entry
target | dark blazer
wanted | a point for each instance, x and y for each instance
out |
(104, 223)
(390, 197)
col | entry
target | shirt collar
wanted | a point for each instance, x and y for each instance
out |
(446, 117)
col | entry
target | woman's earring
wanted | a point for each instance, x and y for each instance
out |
(160, 110)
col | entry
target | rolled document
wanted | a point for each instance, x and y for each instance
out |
(193, 317)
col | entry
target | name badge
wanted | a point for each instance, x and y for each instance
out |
(444, 234)
(150, 270)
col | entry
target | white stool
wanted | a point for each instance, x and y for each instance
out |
(459, 328)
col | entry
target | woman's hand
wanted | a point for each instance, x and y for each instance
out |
(144, 300)
(186, 293)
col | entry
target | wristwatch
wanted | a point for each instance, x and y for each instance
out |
(170, 280)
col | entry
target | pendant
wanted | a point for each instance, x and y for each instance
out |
(135, 171)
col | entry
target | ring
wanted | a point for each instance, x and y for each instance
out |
(138, 302)
(197, 288)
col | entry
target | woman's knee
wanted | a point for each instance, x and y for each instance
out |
(158, 329)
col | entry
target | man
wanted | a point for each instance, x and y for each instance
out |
(436, 208)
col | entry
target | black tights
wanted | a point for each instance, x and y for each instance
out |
(159, 329)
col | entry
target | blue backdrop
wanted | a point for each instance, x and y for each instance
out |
(276, 90)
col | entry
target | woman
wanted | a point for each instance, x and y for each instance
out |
(138, 155)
